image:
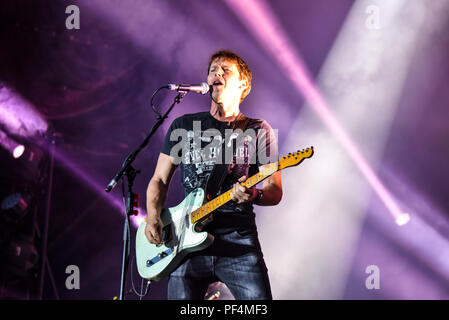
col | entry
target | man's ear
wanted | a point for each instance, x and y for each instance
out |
(244, 84)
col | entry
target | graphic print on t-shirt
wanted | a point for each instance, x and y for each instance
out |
(199, 147)
(198, 161)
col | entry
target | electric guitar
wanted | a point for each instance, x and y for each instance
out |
(182, 225)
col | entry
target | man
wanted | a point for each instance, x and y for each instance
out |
(235, 257)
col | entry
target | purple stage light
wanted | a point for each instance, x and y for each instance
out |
(18, 116)
(15, 148)
(81, 174)
(18, 151)
(258, 18)
(402, 219)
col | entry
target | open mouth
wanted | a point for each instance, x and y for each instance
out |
(217, 83)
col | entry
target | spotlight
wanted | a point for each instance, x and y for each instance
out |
(30, 153)
(14, 206)
(402, 219)
(27, 162)
(11, 145)
(18, 151)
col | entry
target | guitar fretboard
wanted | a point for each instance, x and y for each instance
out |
(207, 208)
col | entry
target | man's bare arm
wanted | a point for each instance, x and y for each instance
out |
(272, 191)
(156, 195)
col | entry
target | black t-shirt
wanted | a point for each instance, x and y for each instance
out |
(197, 141)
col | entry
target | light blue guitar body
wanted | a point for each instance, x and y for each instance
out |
(156, 262)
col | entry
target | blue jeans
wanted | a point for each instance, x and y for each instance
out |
(234, 258)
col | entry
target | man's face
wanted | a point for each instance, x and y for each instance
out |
(225, 78)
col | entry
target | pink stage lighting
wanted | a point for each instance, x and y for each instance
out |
(18, 151)
(15, 148)
(261, 22)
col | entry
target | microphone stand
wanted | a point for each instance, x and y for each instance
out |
(130, 173)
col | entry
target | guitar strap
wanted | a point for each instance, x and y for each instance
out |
(220, 171)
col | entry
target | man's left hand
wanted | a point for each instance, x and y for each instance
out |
(241, 194)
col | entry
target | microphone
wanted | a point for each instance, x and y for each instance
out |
(202, 88)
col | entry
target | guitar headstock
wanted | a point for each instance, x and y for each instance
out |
(293, 159)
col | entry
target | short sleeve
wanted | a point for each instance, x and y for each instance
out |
(267, 144)
(169, 143)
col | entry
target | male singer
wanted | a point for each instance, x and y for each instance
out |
(235, 257)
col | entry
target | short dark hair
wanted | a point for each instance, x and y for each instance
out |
(242, 66)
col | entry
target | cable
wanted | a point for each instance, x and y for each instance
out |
(151, 101)
(129, 247)
(140, 295)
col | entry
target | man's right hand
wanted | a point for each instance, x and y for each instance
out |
(156, 194)
(153, 229)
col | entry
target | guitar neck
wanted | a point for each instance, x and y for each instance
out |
(205, 210)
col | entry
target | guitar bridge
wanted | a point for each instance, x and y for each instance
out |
(159, 257)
